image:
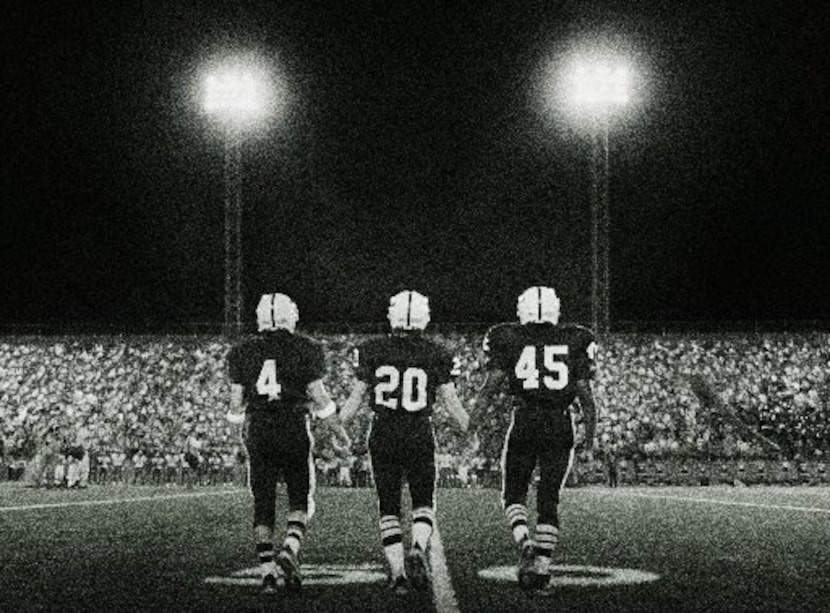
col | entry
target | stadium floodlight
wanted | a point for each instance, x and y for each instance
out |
(239, 94)
(598, 86)
(594, 86)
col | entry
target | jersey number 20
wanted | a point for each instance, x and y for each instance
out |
(267, 384)
(528, 372)
(413, 385)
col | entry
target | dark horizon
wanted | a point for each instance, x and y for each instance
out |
(414, 152)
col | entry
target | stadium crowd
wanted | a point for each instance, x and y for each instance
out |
(160, 400)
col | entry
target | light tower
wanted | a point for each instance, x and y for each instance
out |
(237, 94)
(597, 86)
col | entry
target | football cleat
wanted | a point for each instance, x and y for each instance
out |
(540, 580)
(290, 566)
(269, 584)
(527, 560)
(538, 304)
(398, 585)
(276, 311)
(416, 569)
(408, 310)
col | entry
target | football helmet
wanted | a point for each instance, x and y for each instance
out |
(276, 311)
(408, 310)
(538, 304)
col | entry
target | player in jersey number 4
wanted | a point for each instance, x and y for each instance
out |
(276, 381)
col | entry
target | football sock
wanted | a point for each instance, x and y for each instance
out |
(547, 536)
(295, 530)
(517, 518)
(265, 551)
(390, 533)
(423, 520)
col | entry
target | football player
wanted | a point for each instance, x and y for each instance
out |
(547, 366)
(276, 378)
(403, 374)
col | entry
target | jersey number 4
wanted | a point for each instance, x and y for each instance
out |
(267, 384)
(527, 368)
(412, 383)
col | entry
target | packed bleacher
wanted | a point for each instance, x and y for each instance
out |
(149, 395)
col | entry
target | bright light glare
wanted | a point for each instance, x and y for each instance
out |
(235, 94)
(242, 93)
(598, 85)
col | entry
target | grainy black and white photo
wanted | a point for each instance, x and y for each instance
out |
(462, 307)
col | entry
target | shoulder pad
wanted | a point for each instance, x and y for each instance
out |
(583, 331)
(496, 333)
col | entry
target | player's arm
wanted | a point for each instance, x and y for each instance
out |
(495, 369)
(492, 382)
(236, 413)
(354, 401)
(449, 396)
(325, 410)
(589, 411)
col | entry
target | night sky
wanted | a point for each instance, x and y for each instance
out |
(415, 150)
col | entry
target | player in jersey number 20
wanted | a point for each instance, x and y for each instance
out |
(402, 375)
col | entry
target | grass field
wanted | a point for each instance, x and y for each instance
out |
(156, 549)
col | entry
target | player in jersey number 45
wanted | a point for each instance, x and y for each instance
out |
(546, 366)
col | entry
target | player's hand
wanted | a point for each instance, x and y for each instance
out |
(464, 423)
(474, 442)
(343, 451)
(342, 444)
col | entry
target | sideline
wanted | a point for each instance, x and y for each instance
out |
(110, 501)
(443, 594)
(728, 503)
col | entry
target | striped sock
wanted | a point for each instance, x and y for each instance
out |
(390, 534)
(517, 518)
(423, 520)
(265, 552)
(547, 536)
(295, 530)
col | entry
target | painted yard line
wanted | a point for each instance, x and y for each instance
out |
(729, 503)
(89, 503)
(443, 595)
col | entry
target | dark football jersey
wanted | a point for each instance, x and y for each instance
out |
(403, 372)
(275, 369)
(542, 361)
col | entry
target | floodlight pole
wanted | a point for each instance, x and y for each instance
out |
(233, 236)
(600, 232)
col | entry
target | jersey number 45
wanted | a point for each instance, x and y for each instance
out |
(528, 371)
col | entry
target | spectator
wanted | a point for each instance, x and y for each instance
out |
(153, 392)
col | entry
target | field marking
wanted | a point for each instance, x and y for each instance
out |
(109, 501)
(443, 594)
(579, 576)
(729, 503)
(323, 574)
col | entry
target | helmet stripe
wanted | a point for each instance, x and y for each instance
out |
(409, 310)
(273, 310)
(539, 290)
